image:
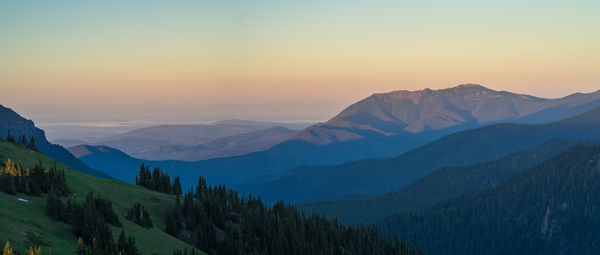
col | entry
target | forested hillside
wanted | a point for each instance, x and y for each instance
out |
(220, 221)
(442, 184)
(553, 208)
(24, 221)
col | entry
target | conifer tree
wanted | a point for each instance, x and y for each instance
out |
(10, 138)
(7, 250)
(34, 251)
(31, 144)
(177, 186)
(23, 140)
(54, 206)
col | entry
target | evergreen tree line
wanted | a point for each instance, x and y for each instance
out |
(158, 180)
(139, 215)
(217, 220)
(34, 181)
(125, 246)
(184, 252)
(29, 143)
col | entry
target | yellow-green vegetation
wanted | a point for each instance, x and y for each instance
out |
(23, 221)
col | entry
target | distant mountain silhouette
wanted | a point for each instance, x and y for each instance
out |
(196, 142)
(17, 125)
(428, 110)
(194, 149)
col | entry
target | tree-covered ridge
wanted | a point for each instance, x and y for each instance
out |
(217, 220)
(553, 208)
(442, 184)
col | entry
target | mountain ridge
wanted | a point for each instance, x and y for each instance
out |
(439, 185)
(12, 122)
(378, 176)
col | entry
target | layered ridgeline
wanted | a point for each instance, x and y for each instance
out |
(17, 126)
(378, 176)
(152, 217)
(194, 149)
(379, 126)
(199, 141)
(552, 208)
(441, 184)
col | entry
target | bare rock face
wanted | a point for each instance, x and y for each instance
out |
(426, 110)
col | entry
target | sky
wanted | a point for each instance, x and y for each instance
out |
(281, 60)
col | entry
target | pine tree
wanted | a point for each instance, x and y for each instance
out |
(81, 249)
(10, 138)
(122, 243)
(34, 251)
(54, 206)
(31, 144)
(7, 249)
(177, 187)
(23, 140)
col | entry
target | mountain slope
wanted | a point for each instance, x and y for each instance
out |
(17, 125)
(18, 218)
(549, 209)
(437, 186)
(378, 176)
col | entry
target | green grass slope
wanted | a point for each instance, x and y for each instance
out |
(25, 223)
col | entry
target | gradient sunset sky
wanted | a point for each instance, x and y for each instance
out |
(281, 56)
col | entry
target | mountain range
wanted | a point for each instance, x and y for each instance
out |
(427, 110)
(380, 126)
(195, 142)
(463, 170)
(198, 148)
